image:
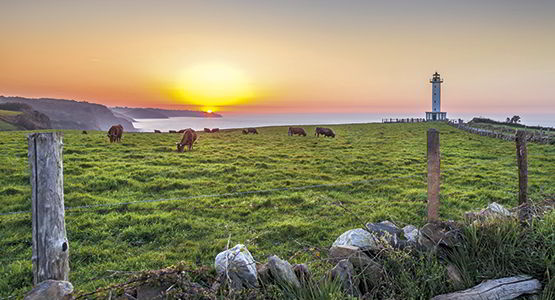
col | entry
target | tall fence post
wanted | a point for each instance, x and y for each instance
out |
(433, 174)
(50, 245)
(522, 161)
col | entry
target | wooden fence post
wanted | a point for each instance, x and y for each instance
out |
(50, 245)
(433, 175)
(522, 161)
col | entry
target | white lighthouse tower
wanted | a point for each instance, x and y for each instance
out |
(436, 114)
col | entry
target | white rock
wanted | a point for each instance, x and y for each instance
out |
(498, 209)
(356, 237)
(411, 233)
(240, 266)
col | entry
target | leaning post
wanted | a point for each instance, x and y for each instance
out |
(522, 161)
(433, 174)
(50, 252)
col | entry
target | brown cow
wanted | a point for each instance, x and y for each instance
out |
(182, 130)
(207, 130)
(172, 131)
(189, 138)
(157, 131)
(296, 130)
(324, 131)
(250, 130)
(115, 133)
(215, 130)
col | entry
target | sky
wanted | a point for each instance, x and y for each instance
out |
(495, 56)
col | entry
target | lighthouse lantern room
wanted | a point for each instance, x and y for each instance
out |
(436, 114)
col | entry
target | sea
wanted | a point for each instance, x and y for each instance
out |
(238, 120)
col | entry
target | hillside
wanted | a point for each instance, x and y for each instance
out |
(20, 116)
(375, 171)
(70, 114)
(156, 113)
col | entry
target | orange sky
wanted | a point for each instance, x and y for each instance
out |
(283, 56)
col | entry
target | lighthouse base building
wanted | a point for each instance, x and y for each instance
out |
(436, 114)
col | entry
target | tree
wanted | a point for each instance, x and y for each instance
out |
(515, 119)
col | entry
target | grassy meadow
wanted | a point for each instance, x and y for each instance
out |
(297, 224)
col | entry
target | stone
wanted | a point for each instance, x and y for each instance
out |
(454, 275)
(386, 231)
(282, 271)
(362, 262)
(357, 237)
(302, 272)
(437, 234)
(492, 211)
(147, 292)
(264, 273)
(239, 265)
(51, 290)
(411, 233)
(344, 273)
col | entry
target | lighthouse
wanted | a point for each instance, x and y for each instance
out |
(436, 114)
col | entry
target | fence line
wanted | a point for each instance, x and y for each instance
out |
(232, 194)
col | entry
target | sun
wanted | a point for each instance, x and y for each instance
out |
(213, 85)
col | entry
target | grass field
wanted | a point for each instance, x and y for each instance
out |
(144, 166)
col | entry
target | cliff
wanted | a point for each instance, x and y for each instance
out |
(71, 114)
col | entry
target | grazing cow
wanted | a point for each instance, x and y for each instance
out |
(84, 132)
(296, 130)
(207, 130)
(182, 130)
(157, 131)
(172, 131)
(188, 139)
(115, 133)
(215, 130)
(324, 131)
(250, 130)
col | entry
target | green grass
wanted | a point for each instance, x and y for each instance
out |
(6, 126)
(476, 170)
(9, 112)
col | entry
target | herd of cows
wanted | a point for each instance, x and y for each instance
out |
(190, 136)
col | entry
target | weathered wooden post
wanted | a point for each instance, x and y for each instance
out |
(522, 161)
(50, 245)
(433, 174)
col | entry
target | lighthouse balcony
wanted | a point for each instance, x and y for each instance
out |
(436, 116)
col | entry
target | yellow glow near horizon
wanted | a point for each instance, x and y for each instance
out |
(213, 85)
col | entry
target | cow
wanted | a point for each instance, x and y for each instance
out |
(250, 130)
(84, 132)
(296, 130)
(207, 130)
(188, 139)
(157, 131)
(215, 130)
(181, 131)
(324, 131)
(172, 131)
(115, 133)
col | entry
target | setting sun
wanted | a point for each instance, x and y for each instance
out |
(214, 85)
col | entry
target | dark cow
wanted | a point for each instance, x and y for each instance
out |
(324, 132)
(250, 130)
(215, 130)
(157, 131)
(172, 131)
(188, 139)
(115, 133)
(182, 130)
(207, 130)
(296, 130)
(84, 132)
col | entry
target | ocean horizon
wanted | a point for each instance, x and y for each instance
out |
(237, 120)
